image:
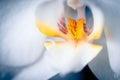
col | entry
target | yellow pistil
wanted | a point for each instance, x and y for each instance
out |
(76, 29)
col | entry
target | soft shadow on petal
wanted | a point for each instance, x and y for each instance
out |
(21, 43)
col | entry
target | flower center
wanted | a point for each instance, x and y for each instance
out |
(76, 29)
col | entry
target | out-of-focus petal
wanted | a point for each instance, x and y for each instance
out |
(110, 41)
(74, 3)
(98, 19)
(112, 30)
(71, 58)
(85, 56)
(21, 43)
(43, 70)
(47, 30)
(49, 13)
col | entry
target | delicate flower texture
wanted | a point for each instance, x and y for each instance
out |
(76, 50)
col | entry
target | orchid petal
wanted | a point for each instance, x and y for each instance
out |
(19, 36)
(47, 30)
(46, 21)
(42, 70)
(112, 30)
(70, 58)
(98, 22)
(109, 59)
(85, 56)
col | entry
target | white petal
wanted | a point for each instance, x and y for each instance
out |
(112, 30)
(111, 13)
(67, 58)
(42, 70)
(50, 12)
(21, 42)
(100, 65)
(98, 21)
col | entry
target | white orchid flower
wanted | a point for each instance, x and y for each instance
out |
(18, 50)
(71, 52)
